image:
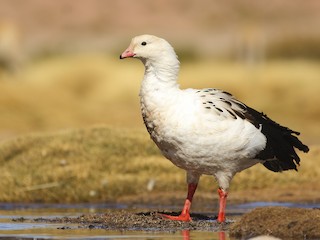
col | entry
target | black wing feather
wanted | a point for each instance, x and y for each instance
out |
(280, 154)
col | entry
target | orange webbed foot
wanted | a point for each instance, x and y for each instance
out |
(182, 217)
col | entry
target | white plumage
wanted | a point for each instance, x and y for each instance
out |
(204, 131)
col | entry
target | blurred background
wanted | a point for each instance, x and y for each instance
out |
(59, 65)
(60, 70)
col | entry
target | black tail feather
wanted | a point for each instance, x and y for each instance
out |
(279, 166)
(297, 143)
(279, 153)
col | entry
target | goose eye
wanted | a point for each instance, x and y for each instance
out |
(143, 43)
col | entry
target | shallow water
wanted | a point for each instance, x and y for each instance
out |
(11, 226)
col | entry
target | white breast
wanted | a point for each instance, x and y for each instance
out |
(197, 138)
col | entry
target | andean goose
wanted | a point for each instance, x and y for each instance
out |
(205, 131)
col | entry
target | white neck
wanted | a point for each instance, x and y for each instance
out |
(161, 75)
(159, 91)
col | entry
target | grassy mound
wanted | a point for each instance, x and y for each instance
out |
(102, 164)
(286, 223)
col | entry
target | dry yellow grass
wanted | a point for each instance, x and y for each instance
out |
(112, 163)
(72, 166)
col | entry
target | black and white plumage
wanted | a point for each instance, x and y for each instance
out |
(281, 141)
(206, 131)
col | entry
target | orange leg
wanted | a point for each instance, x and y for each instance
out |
(222, 235)
(222, 205)
(185, 234)
(185, 214)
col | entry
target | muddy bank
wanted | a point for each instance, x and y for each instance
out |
(125, 220)
(282, 222)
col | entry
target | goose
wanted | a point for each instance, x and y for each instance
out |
(205, 131)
